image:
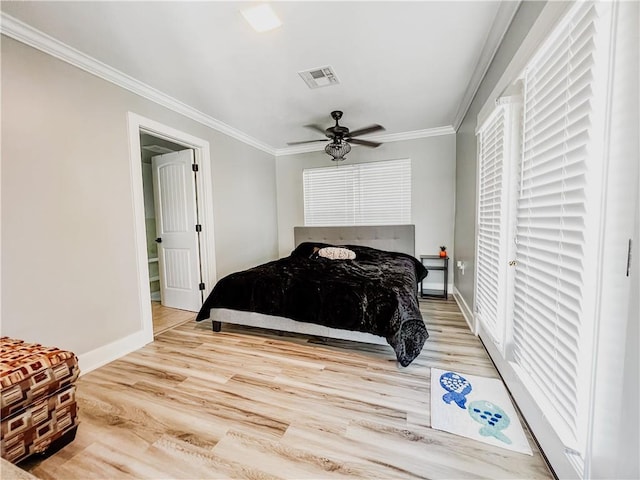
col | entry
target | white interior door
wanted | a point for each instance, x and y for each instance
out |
(175, 204)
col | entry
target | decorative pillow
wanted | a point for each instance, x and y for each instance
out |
(337, 253)
(308, 249)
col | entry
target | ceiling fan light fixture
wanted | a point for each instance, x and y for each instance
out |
(262, 17)
(337, 150)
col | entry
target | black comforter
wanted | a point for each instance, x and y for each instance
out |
(375, 293)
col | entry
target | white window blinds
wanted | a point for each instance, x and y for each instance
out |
(556, 204)
(377, 193)
(499, 148)
(491, 225)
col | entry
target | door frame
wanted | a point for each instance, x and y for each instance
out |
(138, 124)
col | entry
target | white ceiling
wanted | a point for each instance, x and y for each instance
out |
(404, 65)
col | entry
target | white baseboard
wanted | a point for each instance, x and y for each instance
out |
(464, 308)
(112, 351)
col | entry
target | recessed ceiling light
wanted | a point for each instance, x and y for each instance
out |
(262, 17)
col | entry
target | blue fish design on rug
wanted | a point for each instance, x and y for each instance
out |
(492, 417)
(457, 388)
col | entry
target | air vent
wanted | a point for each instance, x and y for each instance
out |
(319, 77)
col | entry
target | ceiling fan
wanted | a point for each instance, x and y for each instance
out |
(341, 137)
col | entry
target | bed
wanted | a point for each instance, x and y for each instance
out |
(371, 299)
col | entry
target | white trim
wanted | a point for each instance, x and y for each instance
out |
(412, 135)
(28, 35)
(501, 24)
(112, 351)
(555, 452)
(306, 148)
(140, 235)
(467, 313)
(610, 365)
(384, 138)
(136, 124)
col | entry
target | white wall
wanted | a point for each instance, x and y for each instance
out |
(432, 188)
(614, 418)
(68, 250)
(626, 460)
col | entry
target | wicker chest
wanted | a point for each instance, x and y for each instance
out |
(38, 405)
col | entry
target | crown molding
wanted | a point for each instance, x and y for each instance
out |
(312, 147)
(383, 138)
(412, 135)
(33, 37)
(506, 12)
(28, 35)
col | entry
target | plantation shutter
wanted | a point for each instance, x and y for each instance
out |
(376, 193)
(556, 205)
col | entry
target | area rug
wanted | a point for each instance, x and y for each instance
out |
(476, 407)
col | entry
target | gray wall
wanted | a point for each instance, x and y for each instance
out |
(432, 188)
(68, 250)
(465, 215)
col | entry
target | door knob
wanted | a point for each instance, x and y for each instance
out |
(158, 240)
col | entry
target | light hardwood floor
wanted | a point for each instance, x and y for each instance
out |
(246, 403)
(165, 318)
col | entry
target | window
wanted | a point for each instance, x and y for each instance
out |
(498, 140)
(377, 193)
(556, 235)
(541, 175)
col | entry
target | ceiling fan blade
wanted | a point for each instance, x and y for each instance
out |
(307, 141)
(365, 130)
(317, 128)
(366, 143)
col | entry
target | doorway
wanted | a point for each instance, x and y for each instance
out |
(151, 142)
(172, 299)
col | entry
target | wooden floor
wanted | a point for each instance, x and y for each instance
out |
(165, 318)
(245, 403)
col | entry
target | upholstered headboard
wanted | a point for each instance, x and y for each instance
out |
(395, 238)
